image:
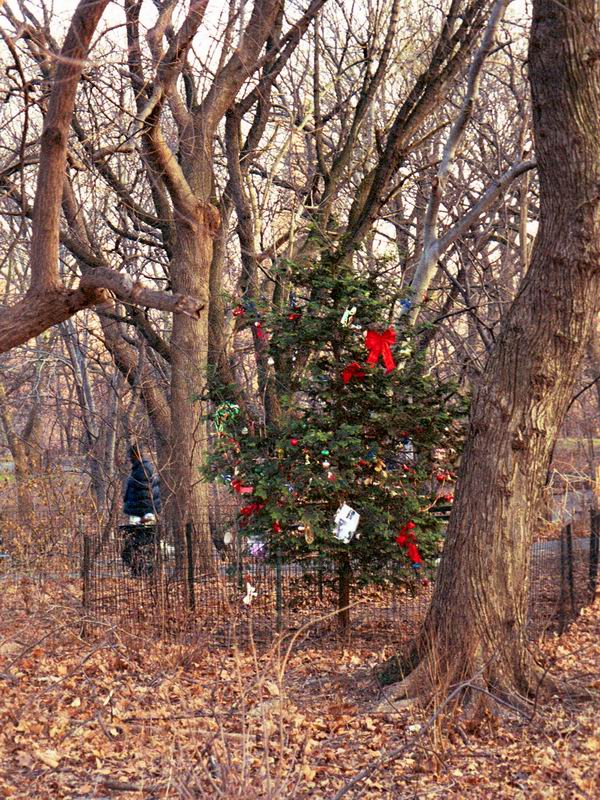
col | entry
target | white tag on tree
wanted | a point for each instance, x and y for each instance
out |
(346, 522)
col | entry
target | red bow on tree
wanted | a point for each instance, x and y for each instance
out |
(353, 370)
(413, 553)
(406, 539)
(378, 344)
(236, 485)
(251, 508)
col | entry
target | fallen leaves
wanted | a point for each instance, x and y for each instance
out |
(68, 728)
(48, 757)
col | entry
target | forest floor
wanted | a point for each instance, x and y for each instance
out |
(117, 716)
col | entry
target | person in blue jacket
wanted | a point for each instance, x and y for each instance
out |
(141, 503)
(142, 491)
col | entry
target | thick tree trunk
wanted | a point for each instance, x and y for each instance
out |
(188, 497)
(476, 623)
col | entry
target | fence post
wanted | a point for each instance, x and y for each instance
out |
(278, 592)
(189, 541)
(569, 532)
(86, 570)
(563, 581)
(320, 579)
(594, 548)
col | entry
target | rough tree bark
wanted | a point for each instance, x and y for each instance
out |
(476, 622)
(48, 302)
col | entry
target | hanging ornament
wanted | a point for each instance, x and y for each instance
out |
(326, 464)
(244, 431)
(276, 527)
(251, 593)
(271, 361)
(228, 538)
(305, 529)
(330, 476)
(294, 315)
(353, 371)
(239, 311)
(259, 330)
(378, 345)
(405, 304)
(345, 523)
(258, 549)
(293, 441)
(325, 452)
(348, 316)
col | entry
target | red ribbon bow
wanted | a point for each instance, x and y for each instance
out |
(236, 485)
(353, 370)
(406, 539)
(378, 344)
(251, 508)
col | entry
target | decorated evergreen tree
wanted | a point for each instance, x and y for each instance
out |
(366, 435)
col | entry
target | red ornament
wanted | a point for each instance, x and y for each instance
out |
(378, 344)
(448, 498)
(276, 527)
(259, 331)
(239, 311)
(294, 441)
(294, 315)
(353, 370)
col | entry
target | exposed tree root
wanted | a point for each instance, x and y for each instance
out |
(488, 688)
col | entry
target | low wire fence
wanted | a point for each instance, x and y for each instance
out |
(237, 589)
(148, 591)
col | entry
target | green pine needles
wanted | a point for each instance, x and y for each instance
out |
(383, 442)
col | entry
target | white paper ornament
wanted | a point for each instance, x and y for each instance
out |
(228, 538)
(346, 522)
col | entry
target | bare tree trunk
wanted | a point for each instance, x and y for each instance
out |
(18, 451)
(476, 623)
(188, 498)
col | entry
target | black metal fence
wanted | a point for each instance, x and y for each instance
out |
(238, 589)
(563, 576)
(146, 589)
